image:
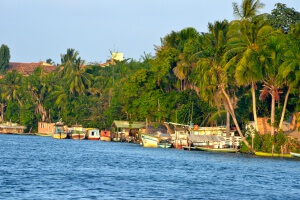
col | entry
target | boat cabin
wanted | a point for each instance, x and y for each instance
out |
(92, 133)
(9, 127)
(125, 130)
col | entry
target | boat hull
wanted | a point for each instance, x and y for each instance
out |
(93, 138)
(165, 145)
(43, 134)
(264, 154)
(105, 138)
(149, 141)
(297, 155)
(59, 136)
(76, 136)
(224, 150)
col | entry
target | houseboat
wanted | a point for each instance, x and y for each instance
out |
(105, 136)
(77, 132)
(59, 132)
(45, 129)
(92, 134)
(11, 128)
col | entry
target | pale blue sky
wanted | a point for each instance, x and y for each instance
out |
(39, 29)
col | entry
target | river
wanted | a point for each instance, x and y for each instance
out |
(33, 167)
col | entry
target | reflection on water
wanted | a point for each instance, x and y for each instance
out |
(34, 167)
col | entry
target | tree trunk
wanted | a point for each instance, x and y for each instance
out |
(227, 123)
(2, 112)
(254, 106)
(272, 111)
(284, 107)
(234, 117)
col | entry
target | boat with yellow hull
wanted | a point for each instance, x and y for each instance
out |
(59, 136)
(265, 154)
(150, 140)
(59, 131)
(105, 136)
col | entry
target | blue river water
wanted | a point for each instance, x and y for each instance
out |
(33, 167)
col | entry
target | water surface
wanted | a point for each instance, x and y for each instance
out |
(33, 167)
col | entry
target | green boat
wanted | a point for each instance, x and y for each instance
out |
(221, 150)
(264, 154)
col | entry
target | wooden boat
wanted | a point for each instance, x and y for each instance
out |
(59, 132)
(92, 134)
(149, 140)
(165, 140)
(11, 128)
(265, 154)
(105, 136)
(77, 132)
(297, 155)
(43, 134)
(221, 150)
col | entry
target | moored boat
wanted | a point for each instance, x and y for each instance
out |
(265, 154)
(92, 134)
(77, 132)
(59, 132)
(297, 155)
(11, 128)
(222, 150)
(105, 136)
(149, 140)
(165, 140)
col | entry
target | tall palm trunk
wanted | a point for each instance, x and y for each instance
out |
(254, 106)
(234, 117)
(272, 111)
(284, 107)
(2, 112)
(227, 123)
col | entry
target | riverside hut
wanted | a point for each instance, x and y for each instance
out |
(125, 130)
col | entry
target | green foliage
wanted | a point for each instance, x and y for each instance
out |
(283, 17)
(4, 58)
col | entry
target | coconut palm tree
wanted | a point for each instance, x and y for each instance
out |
(248, 9)
(11, 90)
(246, 39)
(290, 69)
(212, 75)
(272, 56)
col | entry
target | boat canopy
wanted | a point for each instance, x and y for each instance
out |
(205, 138)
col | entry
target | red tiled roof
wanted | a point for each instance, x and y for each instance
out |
(28, 68)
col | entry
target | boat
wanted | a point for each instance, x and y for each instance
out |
(43, 134)
(221, 150)
(59, 132)
(297, 155)
(92, 134)
(265, 154)
(149, 140)
(77, 132)
(160, 140)
(165, 140)
(105, 136)
(11, 128)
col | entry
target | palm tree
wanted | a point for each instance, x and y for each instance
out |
(248, 9)
(11, 89)
(246, 38)
(212, 76)
(272, 56)
(79, 80)
(290, 69)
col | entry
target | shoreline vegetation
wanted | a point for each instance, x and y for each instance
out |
(237, 72)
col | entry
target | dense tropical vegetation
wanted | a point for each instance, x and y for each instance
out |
(204, 78)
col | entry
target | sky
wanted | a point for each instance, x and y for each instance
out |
(36, 30)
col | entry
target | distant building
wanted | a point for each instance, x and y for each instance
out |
(27, 69)
(115, 56)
